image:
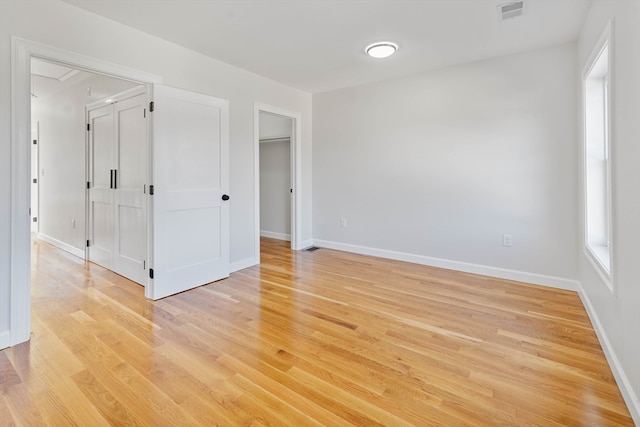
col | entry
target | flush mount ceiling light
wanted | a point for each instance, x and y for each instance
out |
(381, 49)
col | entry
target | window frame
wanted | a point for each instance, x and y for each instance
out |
(594, 253)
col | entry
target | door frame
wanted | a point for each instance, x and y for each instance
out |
(22, 51)
(296, 173)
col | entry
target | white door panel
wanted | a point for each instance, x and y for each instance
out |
(190, 220)
(130, 249)
(101, 121)
(132, 142)
(130, 204)
(101, 237)
(100, 250)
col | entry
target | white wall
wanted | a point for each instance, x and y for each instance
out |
(275, 182)
(64, 26)
(617, 316)
(436, 167)
(62, 177)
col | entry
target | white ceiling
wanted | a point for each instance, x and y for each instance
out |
(48, 78)
(318, 45)
(51, 70)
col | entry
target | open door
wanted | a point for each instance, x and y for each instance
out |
(189, 200)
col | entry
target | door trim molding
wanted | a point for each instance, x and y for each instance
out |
(22, 51)
(296, 173)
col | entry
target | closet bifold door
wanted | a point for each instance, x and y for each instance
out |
(129, 178)
(101, 197)
(118, 156)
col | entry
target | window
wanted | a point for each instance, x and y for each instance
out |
(597, 159)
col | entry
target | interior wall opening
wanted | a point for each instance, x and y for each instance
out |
(275, 176)
(278, 175)
(60, 95)
(22, 52)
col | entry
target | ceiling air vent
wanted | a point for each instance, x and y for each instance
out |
(510, 10)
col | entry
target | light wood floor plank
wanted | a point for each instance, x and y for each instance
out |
(305, 339)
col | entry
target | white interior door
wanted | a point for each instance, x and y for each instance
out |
(118, 173)
(130, 212)
(190, 219)
(101, 159)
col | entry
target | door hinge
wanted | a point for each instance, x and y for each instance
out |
(144, 264)
(88, 185)
(35, 141)
(35, 180)
(151, 273)
(151, 190)
(144, 113)
(291, 190)
(88, 127)
(35, 219)
(151, 107)
(87, 243)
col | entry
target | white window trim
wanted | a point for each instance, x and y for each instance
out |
(594, 253)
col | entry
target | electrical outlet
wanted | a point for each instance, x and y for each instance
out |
(343, 223)
(507, 240)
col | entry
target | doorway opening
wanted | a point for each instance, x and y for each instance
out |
(278, 176)
(275, 176)
(62, 162)
(22, 52)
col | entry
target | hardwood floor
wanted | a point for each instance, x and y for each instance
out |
(305, 339)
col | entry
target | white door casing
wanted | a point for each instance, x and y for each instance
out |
(296, 174)
(190, 176)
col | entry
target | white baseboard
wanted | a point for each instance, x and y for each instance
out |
(630, 397)
(5, 339)
(274, 235)
(307, 244)
(502, 273)
(242, 264)
(62, 245)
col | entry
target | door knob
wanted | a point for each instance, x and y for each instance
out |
(225, 197)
